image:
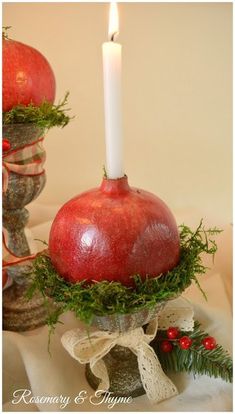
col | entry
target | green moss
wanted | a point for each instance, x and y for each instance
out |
(45, 116)
(106, 298)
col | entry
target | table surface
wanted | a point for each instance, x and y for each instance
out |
(28, 365)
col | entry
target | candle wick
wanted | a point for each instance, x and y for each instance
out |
(113, 36)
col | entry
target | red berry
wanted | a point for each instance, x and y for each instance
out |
(185, 342)
(166, 346)
(5, 145)
(209, 342)
(172, 332)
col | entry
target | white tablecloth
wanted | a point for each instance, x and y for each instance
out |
(28, 365)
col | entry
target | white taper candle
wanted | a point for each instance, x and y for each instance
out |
(112, 58)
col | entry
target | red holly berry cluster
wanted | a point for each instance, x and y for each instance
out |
(184, 342)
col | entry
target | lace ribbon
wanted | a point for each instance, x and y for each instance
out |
(92, 349)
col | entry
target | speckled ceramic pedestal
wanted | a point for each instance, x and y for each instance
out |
(121, 363)
(123, 373)
(18, 313)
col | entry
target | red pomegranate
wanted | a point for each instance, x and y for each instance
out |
(26, 76)
(112, 233)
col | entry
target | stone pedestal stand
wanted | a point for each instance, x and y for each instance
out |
(121, 362)
(20, 314)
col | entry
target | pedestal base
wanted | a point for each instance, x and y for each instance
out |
(19, 313)
(123, 373)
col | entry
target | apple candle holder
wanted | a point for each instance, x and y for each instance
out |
(18, 313)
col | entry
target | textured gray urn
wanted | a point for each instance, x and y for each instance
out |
(121, 362)
(19, 314)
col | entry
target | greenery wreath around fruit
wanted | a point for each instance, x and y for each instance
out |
(46, 116)
(107, 298)
(193, 352)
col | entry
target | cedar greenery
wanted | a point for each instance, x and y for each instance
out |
(46, 116)
(197, 360)
(106, 298)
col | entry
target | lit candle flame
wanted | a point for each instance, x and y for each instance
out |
(113, 20)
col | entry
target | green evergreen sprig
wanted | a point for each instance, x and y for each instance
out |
(45, 116)
(106, 298)
(197, 360)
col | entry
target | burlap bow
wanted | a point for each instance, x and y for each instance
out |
(99, 343)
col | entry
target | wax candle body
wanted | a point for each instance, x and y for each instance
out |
(112, 105)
